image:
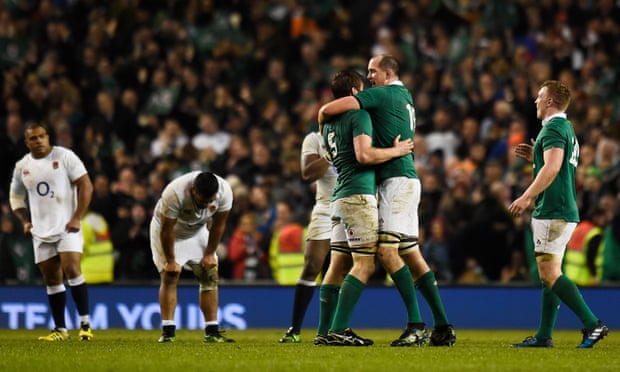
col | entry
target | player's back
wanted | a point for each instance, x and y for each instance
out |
(393, 114)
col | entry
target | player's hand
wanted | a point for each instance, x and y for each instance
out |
(172, 267)
(208, 262)
(520, 205)
(524, 150)
(27, 228)
(73, 225)
(404, 147)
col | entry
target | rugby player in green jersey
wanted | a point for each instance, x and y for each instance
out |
(354, 213)
(391, 109)
(555, 155)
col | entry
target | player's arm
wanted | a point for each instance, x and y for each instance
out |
(336, 107)
(166, 236)
(17, 200)
(313, 167)
(84, 196)
(218, 225)
(553, 162)
(22, 214)
(365, 153)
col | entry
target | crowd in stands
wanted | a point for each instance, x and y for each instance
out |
(146, 90)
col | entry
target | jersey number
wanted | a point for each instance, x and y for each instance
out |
(333, 149)
(411, 111)
(574, 157)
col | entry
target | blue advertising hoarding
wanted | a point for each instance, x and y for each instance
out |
(247, 307)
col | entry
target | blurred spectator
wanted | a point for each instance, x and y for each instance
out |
(244, 250)
(169, 138)
(104, 202)
(516, 270)
(264, 209)
(489, 232)
(12, 148)
(436, 251)
(443, 137)
(210, 141)
(472, 274)
(235, 161)
(265, 169)
(131, 245)
(16, 254)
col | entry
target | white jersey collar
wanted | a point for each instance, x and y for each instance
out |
(557, 115)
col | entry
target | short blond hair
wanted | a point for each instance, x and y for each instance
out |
(558, 92)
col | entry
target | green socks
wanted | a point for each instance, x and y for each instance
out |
(568, 292)
(427, 284)
(550, 305)
(328, 299)
(404, 282)
(350, 293)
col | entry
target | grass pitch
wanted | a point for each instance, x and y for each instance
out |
(259, 350)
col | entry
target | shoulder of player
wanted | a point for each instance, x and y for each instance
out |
(311, 140)
(222, 181)
(61, 152)
(558, 125)
(356, 114)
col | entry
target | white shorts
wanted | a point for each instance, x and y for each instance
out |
(551, 236)
(355, 221)
(320, 225)
(399, 198)
(68, 242)
(186, 251)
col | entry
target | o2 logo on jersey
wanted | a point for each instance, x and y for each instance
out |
(43, 189)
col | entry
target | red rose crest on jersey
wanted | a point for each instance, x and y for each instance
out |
(26, 172)
(55, 165)
(212, 208)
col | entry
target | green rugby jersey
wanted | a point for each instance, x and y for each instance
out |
(392, 112)
(559, 200)
(353, 177)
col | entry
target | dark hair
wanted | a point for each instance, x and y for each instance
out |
(36, 124)
(206, 184)
(344, 81)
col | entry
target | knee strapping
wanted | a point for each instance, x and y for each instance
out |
(76, 281)
(208, 279)
(53, 289)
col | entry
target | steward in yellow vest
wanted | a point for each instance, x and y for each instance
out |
(286, 253)
(584, 255)
(98, 256)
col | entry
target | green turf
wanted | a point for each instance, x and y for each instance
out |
(259, 350)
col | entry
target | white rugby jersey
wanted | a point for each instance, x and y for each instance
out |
(48, 185)
(313, 144)
(177, 203)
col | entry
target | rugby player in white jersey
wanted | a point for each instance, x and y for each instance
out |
(50, 191)
(187, 226)
(314, 167)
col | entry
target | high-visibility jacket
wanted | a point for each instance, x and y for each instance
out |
(611, 256)
(286, 253)
(575, 262)
(98, 256)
